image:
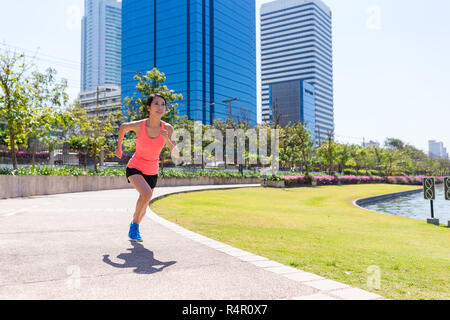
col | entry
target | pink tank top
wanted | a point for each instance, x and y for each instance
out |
(146, 157)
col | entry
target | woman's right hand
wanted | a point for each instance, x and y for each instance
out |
(119, 153)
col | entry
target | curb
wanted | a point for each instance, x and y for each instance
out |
(326, 289)
(388, 196)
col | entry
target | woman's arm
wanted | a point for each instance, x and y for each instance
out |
(172, 144)
(123, 129)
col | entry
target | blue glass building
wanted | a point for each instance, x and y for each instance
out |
(206, 49)
(308, 106)
(296, 44)
(293, 101)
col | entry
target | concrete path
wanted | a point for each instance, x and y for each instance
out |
(75, 246)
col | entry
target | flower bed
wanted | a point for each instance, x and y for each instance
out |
(326, 180)
(349, 179)
(293, 181)
(411, 180)
(28, 155)
(296, 181)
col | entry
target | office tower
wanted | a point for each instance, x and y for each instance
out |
(437, 150)
(296, 46)
(293, 101)
(101, 32)
(206, 49)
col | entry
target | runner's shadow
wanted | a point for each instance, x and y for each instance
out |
(139, 258)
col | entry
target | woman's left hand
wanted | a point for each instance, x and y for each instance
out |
(165, 134)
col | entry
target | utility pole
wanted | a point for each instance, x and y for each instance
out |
(96, 105)
(231, 109)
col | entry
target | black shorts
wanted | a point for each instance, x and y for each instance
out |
(151, 179)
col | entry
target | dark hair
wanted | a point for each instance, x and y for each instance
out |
(153, 96)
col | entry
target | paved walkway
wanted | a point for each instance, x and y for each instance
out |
(75, 246)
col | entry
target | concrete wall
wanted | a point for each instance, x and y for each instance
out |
(26, 186)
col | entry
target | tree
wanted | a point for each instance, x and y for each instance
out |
(45, 96)
(13, 100)
(394, 143)
(328, 152)
(289, 145)
(152, 82)
(95, 134)
(379, 155)
(296, 145)
(342, 155)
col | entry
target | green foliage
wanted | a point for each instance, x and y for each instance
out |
(350, 172)
(274, 177)
(362, 172)
(14, 106)
(296, 145)
(44, 170)
(151, 82)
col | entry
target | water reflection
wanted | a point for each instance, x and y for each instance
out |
(415, 206)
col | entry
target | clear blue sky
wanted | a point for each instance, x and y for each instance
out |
(391, 61)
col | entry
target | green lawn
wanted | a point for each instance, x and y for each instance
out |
(319, 230)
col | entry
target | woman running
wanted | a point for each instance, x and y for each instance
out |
(142, 169)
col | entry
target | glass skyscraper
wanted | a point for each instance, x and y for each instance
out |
(293, 101)
(206, 49)
(296, 45)
(101, 32)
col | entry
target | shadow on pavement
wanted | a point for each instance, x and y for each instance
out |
(139, 258)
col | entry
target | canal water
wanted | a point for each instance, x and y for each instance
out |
(415, 206)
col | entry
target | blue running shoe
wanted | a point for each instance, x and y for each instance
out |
(134, 234)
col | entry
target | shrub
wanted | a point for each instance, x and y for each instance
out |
(5, 171)
(374, 173)
(362, 172)
(168, 173)
(366, 179)
(350, 172)
(274, 178)
(391, 180)
(378, 179)
(326, 180)
(402, 180)
(293, 181)
(349, 179)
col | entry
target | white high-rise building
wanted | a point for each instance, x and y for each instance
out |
(101, 43)
(296, 45)
(437, 150)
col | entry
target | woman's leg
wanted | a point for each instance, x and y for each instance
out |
(144, 209)
(145, 195)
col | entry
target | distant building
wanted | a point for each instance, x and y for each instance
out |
(371, 144)
(107, 97)
(436, 150)
(296, 45)
(101, 44)
(293, 101)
